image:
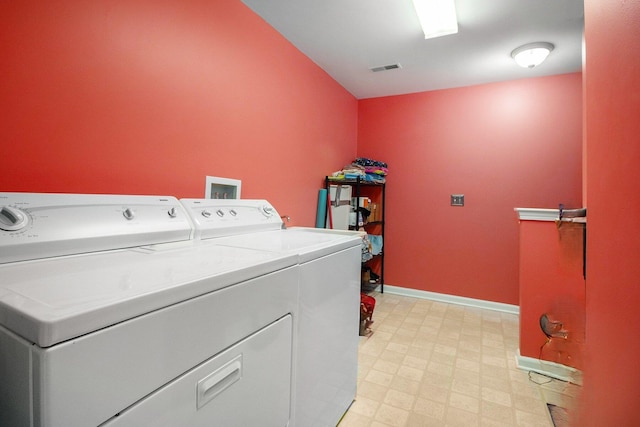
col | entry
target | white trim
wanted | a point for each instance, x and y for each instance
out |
(550, 369)
(453, 299)
(536, 214)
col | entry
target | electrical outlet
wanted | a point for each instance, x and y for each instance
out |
(457, 200)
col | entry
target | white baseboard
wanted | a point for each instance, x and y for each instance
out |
(453, 299)
(550, 369)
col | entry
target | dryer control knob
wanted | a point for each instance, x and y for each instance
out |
(173, 212)
(206, 213)
(267, 210)
(129, 214)
(12, 219)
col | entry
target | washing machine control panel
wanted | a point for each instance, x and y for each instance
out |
(224, 217)
(43, 225)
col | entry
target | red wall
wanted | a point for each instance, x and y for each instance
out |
(612, 102)
(552, 282)
(149, 97)
(503, 145)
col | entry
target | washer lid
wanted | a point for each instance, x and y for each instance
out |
(308, 243)
(52, 300)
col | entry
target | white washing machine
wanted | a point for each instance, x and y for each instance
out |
(327, 328)
(111, 315)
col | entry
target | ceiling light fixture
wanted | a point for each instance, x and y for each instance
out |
(437, 17)
(532, 54)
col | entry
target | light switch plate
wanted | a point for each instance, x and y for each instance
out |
(457, 200)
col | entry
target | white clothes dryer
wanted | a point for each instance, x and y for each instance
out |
(111, 315)
(327, 327)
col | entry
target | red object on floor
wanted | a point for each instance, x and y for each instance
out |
(369, 304)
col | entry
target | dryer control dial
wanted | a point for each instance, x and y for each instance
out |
(129, 213)
(12, 219)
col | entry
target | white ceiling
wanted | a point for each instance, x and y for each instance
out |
(346, 38)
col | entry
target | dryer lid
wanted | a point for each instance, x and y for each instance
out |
(52, 300)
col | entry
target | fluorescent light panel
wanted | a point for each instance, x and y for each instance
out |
(437, 17)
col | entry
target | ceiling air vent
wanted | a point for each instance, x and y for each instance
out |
(385, 68)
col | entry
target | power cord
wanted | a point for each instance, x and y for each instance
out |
(549, 379)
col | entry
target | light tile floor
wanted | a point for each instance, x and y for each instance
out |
(435, 364)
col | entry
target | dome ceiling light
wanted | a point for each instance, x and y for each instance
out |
(532, 54)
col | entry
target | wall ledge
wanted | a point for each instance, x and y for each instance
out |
(537, 214)
(453, 299)
(549, 369)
